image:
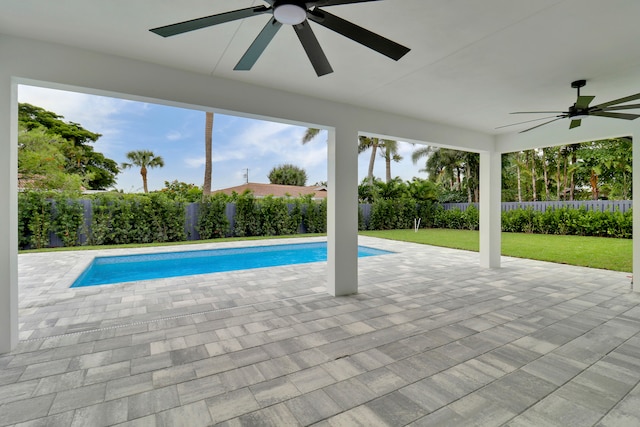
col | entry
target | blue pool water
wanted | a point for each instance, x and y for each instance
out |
(129, 268)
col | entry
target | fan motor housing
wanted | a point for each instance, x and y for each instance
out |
(578, 84)
(290, 12)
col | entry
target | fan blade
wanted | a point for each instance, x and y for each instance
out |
(312, 47)
(259, 45)
(622, 107)
(615, 115)
(207, 21)
(337, 2)
(539, 112)
(361, 35)
(617, 101)
(584, 101)
(575, 123)
(545, 123)
(527, 121)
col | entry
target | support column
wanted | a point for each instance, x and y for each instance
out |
(342, 212)
(635, 170)
(8, 215)
(490, 209)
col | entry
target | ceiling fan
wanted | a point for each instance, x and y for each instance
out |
(296, 13)
(581, 109)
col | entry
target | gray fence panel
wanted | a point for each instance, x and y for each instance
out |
(88, 217)
(190, 221)
(590, 205)
(231, 215)
(365, 208)
(462, 206)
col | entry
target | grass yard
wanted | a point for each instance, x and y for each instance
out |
(595, 252)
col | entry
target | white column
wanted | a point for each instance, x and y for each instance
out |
(635, 170)
(490, 208)
(8, 215)
(342, 212)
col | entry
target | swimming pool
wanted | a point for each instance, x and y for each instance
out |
(129, 268)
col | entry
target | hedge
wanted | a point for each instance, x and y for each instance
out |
(117, 218)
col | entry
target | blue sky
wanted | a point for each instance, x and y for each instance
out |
(177, 135)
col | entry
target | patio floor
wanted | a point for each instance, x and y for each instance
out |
(431, 339)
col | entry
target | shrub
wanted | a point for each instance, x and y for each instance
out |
(68, 219)
(315, 216)
(274, 217)
(452, 218)
(247, 219)
(520, 220)
(131, 218)
(212, 218)
(471, 218)
(34, 220)
(389, 214)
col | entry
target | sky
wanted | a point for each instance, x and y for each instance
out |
(177, 135)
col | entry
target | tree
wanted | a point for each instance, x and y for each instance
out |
(96, 170)
(208, 129)
(309, 135)
(41, 161)
(143, 159)
(287, 174)
(389, 153)
(455, 171)
(182, 191)
(365, 143)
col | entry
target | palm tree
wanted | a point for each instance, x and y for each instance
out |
(310, 134)
(389, 153)
(208, 129)
(143, 159)
(364, 143)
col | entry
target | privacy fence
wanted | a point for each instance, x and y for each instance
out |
(122, 219)
(589, 205)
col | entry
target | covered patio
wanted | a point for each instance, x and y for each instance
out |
(529, 344)
(425, 336)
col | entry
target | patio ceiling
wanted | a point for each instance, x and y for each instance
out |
(472, 62)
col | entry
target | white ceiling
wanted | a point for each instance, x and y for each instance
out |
(472, 62)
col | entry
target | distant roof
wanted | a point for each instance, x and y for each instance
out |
(275, 190)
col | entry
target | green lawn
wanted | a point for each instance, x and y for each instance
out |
(596, 252)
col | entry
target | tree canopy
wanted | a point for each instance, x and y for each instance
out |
(288, 174)
(45, 135)
(588, 170)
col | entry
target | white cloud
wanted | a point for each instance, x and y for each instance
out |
(224, 156)
(174, 136)
(194, 162)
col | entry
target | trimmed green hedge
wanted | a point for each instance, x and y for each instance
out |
(132, 218)
(212, 218)
(579, 222)
(565, 221)
(128, 218)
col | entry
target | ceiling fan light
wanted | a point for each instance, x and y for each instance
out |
(290, 14)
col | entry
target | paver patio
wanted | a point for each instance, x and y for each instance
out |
(431, 339)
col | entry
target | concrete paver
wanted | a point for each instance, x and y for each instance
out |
(431, 339)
